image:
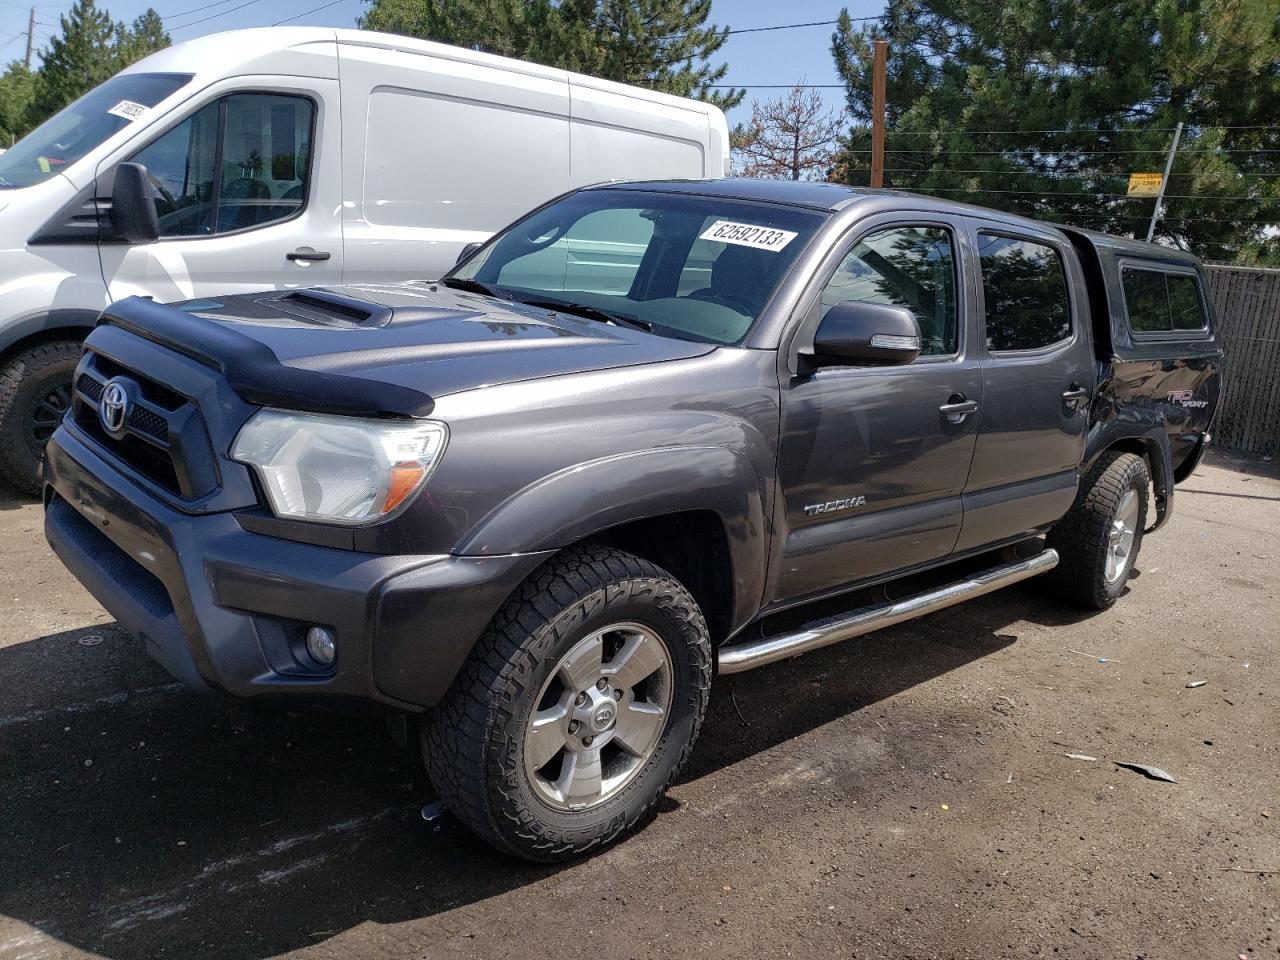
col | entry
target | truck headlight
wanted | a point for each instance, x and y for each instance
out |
(338, 469)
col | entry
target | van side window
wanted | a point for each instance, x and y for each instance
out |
(1159, 302)
(912, 267)
(1025, 288)
(252, 175)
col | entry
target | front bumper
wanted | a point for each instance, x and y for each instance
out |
(223, 608)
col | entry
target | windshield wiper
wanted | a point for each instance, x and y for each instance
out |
(473, 286)
(591, 313)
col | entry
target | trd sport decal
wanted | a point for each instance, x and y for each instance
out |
(1186, 398)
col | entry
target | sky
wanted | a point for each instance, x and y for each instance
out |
(772, 57)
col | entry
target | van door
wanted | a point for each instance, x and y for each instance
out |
(872, 460)
(247, 188)
(440, 153)
(1038, 377)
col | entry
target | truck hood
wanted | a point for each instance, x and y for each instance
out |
(338, 348)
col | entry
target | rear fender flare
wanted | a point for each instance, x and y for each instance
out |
(589, 498)
(1154, 442)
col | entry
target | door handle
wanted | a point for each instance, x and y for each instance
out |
(958, 408)
(306, 256)
(1075, 396)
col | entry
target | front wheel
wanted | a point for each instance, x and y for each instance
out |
(35, 391)
(576, 710)
(1099, 539)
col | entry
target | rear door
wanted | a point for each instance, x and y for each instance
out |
(247, 188)
(871, 469)
(1038, 379)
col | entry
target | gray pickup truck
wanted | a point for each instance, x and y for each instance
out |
(543, 501)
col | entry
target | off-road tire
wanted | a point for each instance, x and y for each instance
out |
(473, 742)
(26, 379)
(1082, 537)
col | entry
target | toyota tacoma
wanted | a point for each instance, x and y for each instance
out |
(542, 502)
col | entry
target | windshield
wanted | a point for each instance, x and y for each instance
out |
(75, 130)
(695, 267)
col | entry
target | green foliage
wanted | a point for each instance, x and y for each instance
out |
(17, 88)
(662, 44)
(90, 49)
(1082, 93)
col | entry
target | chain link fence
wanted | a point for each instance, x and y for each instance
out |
(1246, 302)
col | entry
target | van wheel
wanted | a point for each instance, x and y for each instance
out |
(35, 391)
(1099, 539)
(576, 709)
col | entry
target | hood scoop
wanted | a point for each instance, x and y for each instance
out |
(329, 309)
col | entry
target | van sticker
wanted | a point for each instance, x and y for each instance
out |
(748, 235)
(128, 110)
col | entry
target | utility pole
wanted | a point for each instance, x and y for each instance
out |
(879, 69)
(31, 35)
(1164, 182)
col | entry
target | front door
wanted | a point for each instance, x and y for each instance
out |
(1038, 377)
(247, 189)
(871, 468)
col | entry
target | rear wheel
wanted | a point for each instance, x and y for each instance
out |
(1099, 539)
(576, 710)
(35, 391)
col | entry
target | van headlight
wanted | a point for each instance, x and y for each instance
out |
(338, 469)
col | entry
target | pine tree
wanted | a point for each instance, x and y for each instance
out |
(17, 87)
(791, 137)
(145, 37)
(662, 44)
(1080, 93)
(75, 62)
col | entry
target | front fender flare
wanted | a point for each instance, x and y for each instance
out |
(572, 504)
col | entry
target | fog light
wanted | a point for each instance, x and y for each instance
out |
(322, 645)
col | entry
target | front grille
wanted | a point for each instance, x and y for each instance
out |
(163, 437)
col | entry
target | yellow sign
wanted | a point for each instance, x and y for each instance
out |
(1145, 184)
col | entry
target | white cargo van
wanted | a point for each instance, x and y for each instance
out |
(284, 157)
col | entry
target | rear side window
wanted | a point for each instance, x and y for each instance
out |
(1025, 287)
(1159, 302)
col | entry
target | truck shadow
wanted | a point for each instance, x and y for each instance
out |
(168, 823)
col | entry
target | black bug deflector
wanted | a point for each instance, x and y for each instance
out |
(254, 371)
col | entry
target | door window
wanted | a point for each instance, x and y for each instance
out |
(1159, 302)
(1025, 287)
(240, 162)
(912, 267)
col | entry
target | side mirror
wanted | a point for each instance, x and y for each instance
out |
(466, 252)
(133, 207)
(857, 331)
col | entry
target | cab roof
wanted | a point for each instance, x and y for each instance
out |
(831, 197)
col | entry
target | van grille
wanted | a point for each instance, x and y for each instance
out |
(163, 437)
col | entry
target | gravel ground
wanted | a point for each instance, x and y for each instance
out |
(907, 795)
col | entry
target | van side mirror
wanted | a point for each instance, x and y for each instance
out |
(133, 207)
(466, 252)
(857, 331)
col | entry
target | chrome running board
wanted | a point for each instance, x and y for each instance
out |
(739, 657)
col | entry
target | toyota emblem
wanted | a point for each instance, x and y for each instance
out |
(113, 408)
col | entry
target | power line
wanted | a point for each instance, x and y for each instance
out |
(326, 6)
(1087, 193)
(779, 26)
(215, 16)
(199, 9)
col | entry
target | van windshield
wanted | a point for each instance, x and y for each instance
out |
(75, 130)
(679, 265)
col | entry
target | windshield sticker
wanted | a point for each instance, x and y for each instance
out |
(748, 235)
(128, 110)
